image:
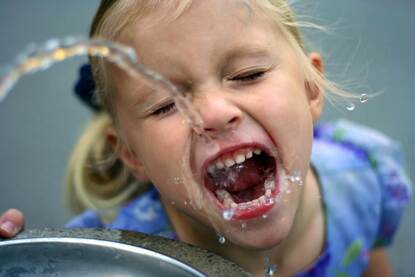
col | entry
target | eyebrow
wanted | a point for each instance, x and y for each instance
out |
(252, 50)
(142, 96)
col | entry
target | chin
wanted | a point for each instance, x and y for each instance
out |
(262, 238)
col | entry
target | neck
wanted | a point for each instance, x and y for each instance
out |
(305, 239)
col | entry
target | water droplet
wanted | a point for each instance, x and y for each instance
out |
(297, 176)
(51, 44)
(221, 239)
(44, 64)
(243, 225)
(228, 214)
(269, 269)
(363, 98)
(6, 84)
(269, 201)
(264, 216)
(350, 107)
(177, 180)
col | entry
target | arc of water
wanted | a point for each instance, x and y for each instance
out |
(40, 58)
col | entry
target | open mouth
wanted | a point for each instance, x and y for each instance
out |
(243, 180)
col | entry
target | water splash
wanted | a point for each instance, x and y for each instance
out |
(295, 178)
(40, 58)
(221, 239)
(269, 269)
(364, 98)
(350, 107)
(270, 200)
(178, 180)
(228, 214)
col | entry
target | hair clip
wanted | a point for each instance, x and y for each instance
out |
(85, 88)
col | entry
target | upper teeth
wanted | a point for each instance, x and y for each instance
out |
(235, 158)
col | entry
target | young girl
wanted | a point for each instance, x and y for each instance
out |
(267, 183)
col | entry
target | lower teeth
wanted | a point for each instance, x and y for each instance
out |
(229, 203)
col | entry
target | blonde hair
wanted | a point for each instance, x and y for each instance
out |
(92, 183)
(95, 179)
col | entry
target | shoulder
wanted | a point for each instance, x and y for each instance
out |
(344, 146)
(364, 188)
(143, 214)
(361, 141)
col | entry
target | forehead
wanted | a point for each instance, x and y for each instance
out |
(208, 27)
(215, 36)
(154, 12)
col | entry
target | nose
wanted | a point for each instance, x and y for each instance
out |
(218, 114)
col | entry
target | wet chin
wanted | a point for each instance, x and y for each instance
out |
(263, 238)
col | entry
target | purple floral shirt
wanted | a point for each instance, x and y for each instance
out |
(364, 190)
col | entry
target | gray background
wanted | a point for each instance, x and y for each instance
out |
(370, 46)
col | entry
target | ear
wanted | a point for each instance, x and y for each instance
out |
(126, 155)
(315, 91)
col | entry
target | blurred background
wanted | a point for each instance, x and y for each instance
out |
(369, 47)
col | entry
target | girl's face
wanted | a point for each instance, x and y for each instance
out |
(249, 88)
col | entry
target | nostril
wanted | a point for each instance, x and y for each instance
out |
(233, 121)
(230, 124)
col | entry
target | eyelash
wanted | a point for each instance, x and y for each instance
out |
(248, 77)
(165, 109)
(245, 77)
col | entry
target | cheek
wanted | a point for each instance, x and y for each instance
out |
(283, 111)
(162, 149)
(163, 140)
(280, 105)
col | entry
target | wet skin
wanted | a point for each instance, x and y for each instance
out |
(249, 87)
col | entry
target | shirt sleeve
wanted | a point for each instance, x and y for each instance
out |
(385, 158)
(396, 191)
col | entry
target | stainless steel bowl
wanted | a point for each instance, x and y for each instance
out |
(87, 252)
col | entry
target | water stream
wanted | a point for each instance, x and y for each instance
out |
(41, 57)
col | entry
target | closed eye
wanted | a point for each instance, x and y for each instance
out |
(164, 109)
(249, 76)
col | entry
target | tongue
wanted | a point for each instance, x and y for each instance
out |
(248, 194)
(241, 177)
